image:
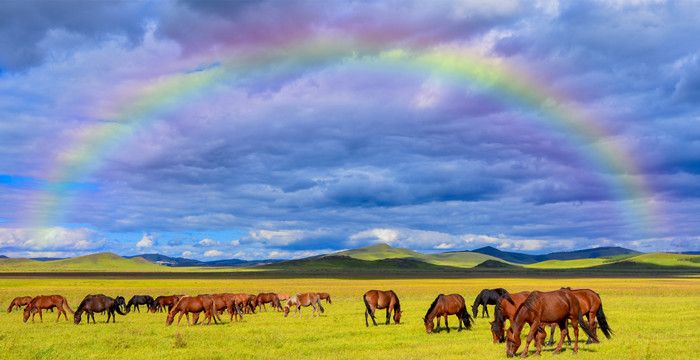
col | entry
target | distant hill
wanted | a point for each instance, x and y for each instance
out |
(520, 258)
(347, 263)
(654, 259)
(94, 262)
(462, 259)
(495, 264)
(3, 257)
(184, 262)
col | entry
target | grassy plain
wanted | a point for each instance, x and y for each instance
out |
(652, 319)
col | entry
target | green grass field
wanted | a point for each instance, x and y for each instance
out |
(652, 319)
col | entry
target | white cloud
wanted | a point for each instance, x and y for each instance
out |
(213, 253)
(235, 242)
(207, 242)
(54, 238)
(277, 237)
(378, 235)
(186, 254)
(145, 242)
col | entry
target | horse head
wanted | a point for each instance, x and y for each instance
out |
(497, 332)
(27, 312)
(77, 318)
(475, 310)
(513, 343)
(286, 310)
(429, 325)
(397, 316)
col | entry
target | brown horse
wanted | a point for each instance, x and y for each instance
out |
(227, 302)
(194, 305)
(283, 297)
(378, 299)
(545, 307)
(45, 302)
(445, 305)
(92, 304)
(165, 302)
(306, 299)
(18, 302)
(325, 296)
(250, 304)
(268, 298)
(506, 307)
(592, 308)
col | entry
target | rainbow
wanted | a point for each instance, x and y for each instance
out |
(507, 83)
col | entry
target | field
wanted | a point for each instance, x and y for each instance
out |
(652, 319)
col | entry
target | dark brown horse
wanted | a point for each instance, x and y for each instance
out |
(92, 304)
(137, 300)
(505, 309)
(486, 297)
(325, 296)
(18, 302)
(541, 308)
(165, 302)
(194, 305)
(45, 302)
(378, 299)
(445, 305)
(306, 299)
(268, 298)
(592, 308)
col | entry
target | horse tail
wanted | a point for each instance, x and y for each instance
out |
(329, 299)
(364, 298)
(464, 314)
(12, 304)
(585, 327)
(603, 322)
(67, 307)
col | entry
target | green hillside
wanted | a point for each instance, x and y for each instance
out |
(462, 259)
(567, 264)
(102, 262)
(660, 259)
(666, 259)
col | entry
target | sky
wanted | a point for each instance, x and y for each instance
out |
(268, 129)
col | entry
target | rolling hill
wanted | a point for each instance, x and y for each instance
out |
(462, 259)
(100, 262)
(520, 258)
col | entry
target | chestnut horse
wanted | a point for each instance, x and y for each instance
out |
(226, 302)
(378, 299)
(44, 302)
(325, 296)
(592, 308)
(163, 302)
(194, 305)
(92, 304)
(18, 302)
(445, 305)
(505, 309)
(306, 299)
(268, 298)
(546, 307)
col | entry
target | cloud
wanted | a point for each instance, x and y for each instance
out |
(213, 253)
(54, 238)
(146, 241)
(187, 254)
(208, 242)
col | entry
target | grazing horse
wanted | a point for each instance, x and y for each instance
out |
(268, 298)
(546, 307)
(44, 302)
(486, 297)
(92, 304)
(378, 299)
(137, 300)
(225, 302)
(194, 305)
(283, 297)
(445, 305)
(163, 302)
(592, 308)
(506, 308)
(306, 299)
(325, 296)
(18, 302)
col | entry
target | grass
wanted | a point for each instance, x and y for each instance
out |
(643, 328)
(462, 259)
(660, 259)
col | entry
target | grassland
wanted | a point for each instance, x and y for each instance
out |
(659, 259)
(652, 319)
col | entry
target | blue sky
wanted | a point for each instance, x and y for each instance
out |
(318, 159)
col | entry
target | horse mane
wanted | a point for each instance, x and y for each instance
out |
(530, 302)
(80, 309)
(397, 305)
(498, 313)
(432, 306)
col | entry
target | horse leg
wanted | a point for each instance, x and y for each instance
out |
(574, 324)
(366, 315)
(388, 314)
(109, 315)
(530, 336)
(486, 308)
(437, 328)
(447, 325)
(564, 331)
(371, 314)
(591, 325)
(552, 327)
(41, 317)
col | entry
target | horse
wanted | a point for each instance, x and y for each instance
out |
(445, 305)
(506, 308)
(325, 296)
(225, 302)
(306, 299)
(486, 297)
(546, 307)
(44, 302)
(19, 302)
(137, 300)
(592, 308)
(194, 305)
(99, 303)
(378, 299)
(250, 304)
(268, 298)
(283, 297)
(161, 302)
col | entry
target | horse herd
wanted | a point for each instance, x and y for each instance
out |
(537, 309)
